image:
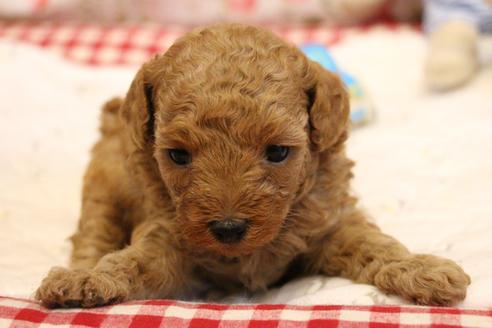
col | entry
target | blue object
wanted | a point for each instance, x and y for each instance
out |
(360, 104)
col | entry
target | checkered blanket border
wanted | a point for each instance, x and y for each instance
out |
(165, 313)
(126, 45)
(134, 44)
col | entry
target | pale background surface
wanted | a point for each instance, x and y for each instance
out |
(424, 168)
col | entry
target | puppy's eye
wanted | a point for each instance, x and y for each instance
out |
(179, 156)
(276, 154)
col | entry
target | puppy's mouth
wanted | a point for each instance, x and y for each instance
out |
(242, 240)
(235, 250)
(229, 236)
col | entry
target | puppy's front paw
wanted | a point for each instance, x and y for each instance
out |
(80, 288)
(425, 280)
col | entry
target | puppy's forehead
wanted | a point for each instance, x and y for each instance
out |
(235, 81)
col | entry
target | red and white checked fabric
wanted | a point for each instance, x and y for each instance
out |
(127, 45)
(120, 45)
(165, 313)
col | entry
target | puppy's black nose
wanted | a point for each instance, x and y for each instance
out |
(229, 230)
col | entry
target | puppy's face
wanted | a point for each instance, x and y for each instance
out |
(233, 137)
(232, 164)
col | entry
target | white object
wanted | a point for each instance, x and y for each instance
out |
(423, 168)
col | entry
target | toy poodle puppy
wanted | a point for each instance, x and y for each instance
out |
(224, 169)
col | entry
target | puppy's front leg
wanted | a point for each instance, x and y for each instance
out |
(148, 267)
(358, 250)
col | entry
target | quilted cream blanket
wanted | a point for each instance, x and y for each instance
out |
(424, 166)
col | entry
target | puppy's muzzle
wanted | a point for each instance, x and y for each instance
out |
(229, 230)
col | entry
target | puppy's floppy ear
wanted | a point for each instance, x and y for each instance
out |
(328, 107)
(138, 110)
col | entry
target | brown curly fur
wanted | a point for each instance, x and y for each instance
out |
(224, 93)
